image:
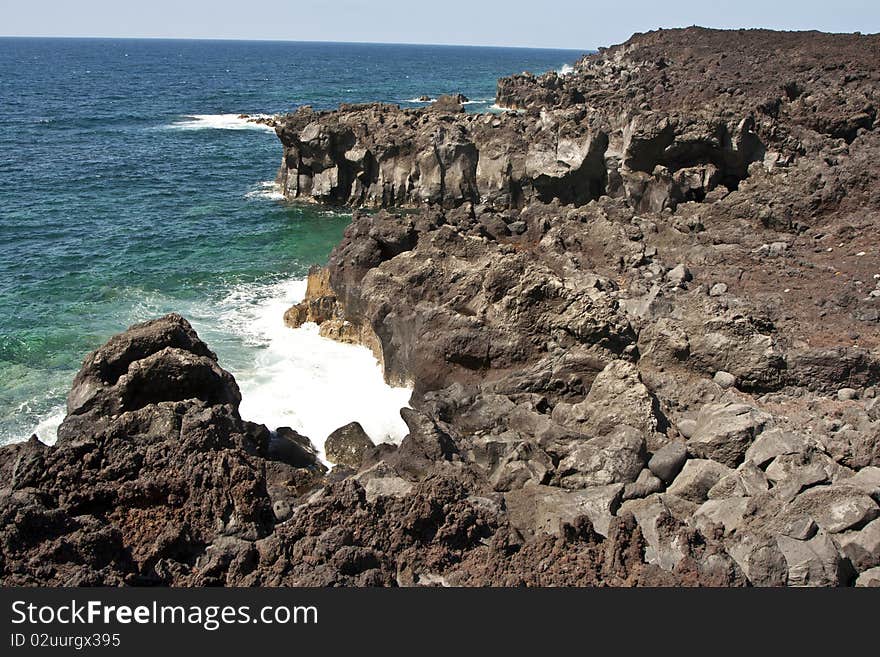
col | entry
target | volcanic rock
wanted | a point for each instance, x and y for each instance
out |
(347, 445)
(559, 286)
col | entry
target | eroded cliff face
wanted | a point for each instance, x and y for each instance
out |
(321, 306)
(382, 156)
(666, 118)
(641, 323)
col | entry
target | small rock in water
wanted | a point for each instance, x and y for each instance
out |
(724, 379)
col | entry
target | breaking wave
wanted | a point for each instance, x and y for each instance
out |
(221, 122)
(268, 190)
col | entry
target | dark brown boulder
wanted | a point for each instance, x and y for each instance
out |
(152, 463)
(347, 445)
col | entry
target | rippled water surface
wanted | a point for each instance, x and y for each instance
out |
(129, 188)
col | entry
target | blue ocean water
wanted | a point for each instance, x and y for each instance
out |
(129, 188)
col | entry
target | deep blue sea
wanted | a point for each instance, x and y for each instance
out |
(129, 188)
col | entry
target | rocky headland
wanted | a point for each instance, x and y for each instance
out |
(641, 319)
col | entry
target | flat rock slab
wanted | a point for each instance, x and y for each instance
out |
(836, 508)
(866, 480)
(747, 480)
(381, 480)
(727, 512)
(869, 578)
(535, 510)
(815, 562)
(773, 443)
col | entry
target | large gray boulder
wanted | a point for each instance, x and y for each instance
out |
(725, 431)
(747, 480)
(617, 397)
(663, 532)
(668, 461)
(815, 562)
(759, 558)
(616, 458)
(697, 478)
(162, 360)
(800, 471)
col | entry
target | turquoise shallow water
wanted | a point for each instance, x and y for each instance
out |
(128, 189)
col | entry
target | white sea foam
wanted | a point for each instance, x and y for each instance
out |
(567, 69)
(434, 100)
(288, 377)
(296, 378)
(221, 122)
(495, 107)
(47, 429)
(268, 190)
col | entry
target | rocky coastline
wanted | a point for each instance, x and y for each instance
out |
(640, 316)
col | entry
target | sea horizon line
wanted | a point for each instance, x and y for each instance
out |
(291, 41)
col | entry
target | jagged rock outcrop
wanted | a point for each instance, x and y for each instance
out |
(152, 467)
(156, 479)
(652, 349)
(383, 156)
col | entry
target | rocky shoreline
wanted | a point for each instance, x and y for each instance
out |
(640, 319)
